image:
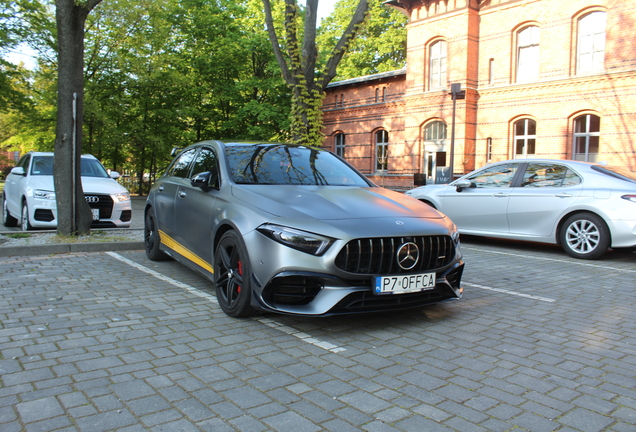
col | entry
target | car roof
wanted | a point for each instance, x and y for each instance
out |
(40, 153)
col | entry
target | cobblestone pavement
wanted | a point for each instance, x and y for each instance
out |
(111, 341)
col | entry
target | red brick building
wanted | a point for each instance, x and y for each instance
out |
(538, 78)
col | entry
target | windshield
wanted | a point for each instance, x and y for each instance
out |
(43, 165)
(289, 165)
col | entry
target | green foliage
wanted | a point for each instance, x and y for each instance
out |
(380, 45)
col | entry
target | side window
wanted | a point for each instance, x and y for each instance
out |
(180, 166)
(496, 176)
(24, 161)
(206, 161)
(549, 175)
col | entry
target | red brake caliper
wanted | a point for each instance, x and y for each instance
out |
(239, 268)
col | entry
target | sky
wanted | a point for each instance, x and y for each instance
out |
(25, 55)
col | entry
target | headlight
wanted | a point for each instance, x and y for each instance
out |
(43, 194)
(631, 198)
(301, 240)
(121, 197)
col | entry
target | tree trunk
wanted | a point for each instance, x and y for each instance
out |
(73, 213)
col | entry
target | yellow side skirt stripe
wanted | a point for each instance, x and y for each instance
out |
(183, 251)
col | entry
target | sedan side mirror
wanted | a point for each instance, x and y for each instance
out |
(460, 185)
(114, 175)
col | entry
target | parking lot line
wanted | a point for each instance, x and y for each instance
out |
(515, 293)
(552, 260)
(266, 321)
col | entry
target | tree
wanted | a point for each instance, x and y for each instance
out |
(299, 63)
(379, 47)
(73, 212)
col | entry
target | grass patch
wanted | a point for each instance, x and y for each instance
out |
(96, 236)
(19, 235)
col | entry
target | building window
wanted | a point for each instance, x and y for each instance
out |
(528, 54)
(339, 144)
(525, 138)
(491, 71)
(377, 95)
(488, 149)
(591, 43)
(382, 150)
(437, 65)
(435, 131)
(587, 135)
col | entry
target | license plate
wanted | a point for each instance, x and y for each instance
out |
(95, 214)
(404, 284)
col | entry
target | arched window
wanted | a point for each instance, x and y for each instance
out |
(528, 54)
(381, 150)
(590, 50)
(435, 131)
(437, 65)
(339, 144)
(525, 138)
(587, 135)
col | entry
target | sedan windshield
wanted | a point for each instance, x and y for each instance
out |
(43, 165)
(289, 165)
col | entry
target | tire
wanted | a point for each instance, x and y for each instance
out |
(585, 236)
(232, 276)
(26, 225)
(152, 239)
(7, 219)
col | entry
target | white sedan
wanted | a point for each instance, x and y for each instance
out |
(585, 207)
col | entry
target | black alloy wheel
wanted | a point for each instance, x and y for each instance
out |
(232, 276)
(152, 240)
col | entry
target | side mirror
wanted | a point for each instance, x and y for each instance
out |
(205, 180)
(114, 175)
(18, 171)
(460, 185)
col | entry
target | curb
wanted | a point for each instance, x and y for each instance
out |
(48, 249)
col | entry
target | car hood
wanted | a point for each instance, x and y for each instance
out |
(332, 202)
(100, 185)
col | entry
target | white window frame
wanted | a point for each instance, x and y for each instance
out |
(381, 151)
(528, 54)
(437, 64)
(339, 144)
(590, 50)
(527, 138)
(587, 138)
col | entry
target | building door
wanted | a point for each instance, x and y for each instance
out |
(435, 161)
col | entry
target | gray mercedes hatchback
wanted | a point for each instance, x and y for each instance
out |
(297, 230)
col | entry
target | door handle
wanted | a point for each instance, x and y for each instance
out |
(500, 195)
(563, 195)
(182, 194)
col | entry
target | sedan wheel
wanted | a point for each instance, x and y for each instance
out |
(585, 236)
(26, 225)
(7, 219)
(232, 276)
(152, 240)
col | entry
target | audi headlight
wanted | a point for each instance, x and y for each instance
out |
(304, 241)
(43, 194)
(121, 197)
